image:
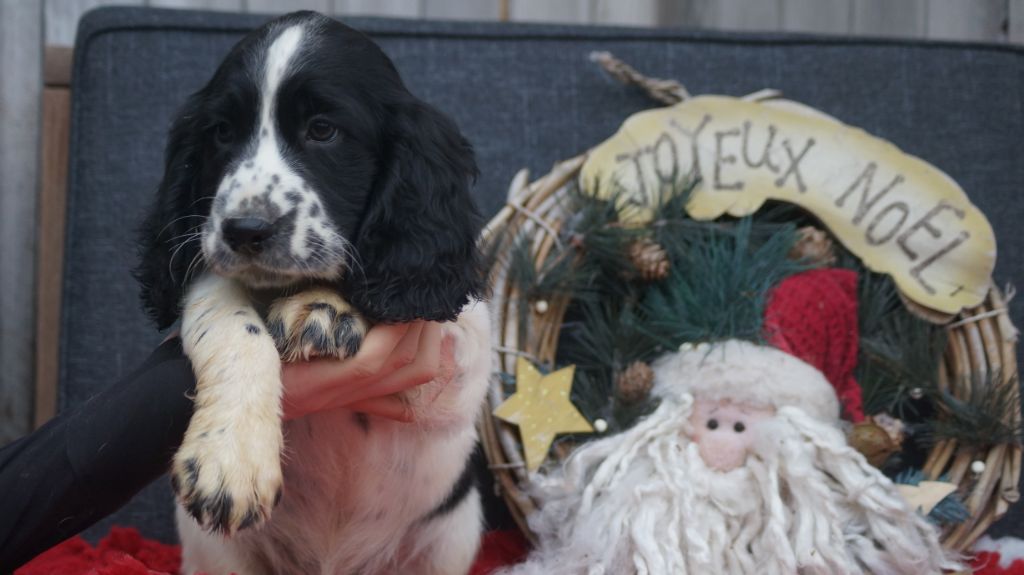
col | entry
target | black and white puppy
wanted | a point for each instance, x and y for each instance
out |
(307, 194)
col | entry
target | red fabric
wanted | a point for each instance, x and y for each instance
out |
(125, 552)
(987, 563)
(499, 549)
(122, 552)
(813, 315)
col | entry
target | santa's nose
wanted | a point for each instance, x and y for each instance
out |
(721, 452)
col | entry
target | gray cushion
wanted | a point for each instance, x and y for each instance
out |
(525, 95)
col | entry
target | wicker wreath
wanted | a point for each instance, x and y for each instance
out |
(981, 340)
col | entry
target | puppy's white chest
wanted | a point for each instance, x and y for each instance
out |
(358, 490)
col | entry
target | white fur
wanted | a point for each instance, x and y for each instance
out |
(354, 501)
(233, 441)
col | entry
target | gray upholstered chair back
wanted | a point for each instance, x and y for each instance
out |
(525, 95)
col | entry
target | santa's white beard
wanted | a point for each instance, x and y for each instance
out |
(644, 502)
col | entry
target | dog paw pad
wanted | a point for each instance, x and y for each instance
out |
(317, 323)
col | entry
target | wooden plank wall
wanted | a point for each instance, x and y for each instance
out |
(20, 88)
(26, 26)
(987, 20)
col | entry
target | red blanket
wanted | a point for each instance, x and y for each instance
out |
(125, 552)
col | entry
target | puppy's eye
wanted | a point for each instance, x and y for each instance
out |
(712, 424)
(224, 133)
(321, 131)
(739, 427)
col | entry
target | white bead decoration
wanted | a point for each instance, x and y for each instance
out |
(600, 425)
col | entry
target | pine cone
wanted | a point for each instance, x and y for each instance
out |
(649, 259)
(877, 438)
(813, 245)
(635, 382)
(872, 441)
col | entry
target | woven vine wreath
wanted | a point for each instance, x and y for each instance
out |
(960, 418)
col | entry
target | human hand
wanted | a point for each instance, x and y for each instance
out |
(392, 359)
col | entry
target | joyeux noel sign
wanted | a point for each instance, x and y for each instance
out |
(899, 214)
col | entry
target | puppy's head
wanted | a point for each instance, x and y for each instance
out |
(305, 159)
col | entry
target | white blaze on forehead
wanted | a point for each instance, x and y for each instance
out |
(279, 55)
(269, 161)
(265, 180)
(266, 169)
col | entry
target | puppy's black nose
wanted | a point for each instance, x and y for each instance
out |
(247, 235)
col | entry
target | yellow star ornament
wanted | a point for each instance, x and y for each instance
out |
(542, 409)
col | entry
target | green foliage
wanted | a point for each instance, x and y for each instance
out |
(721, 288)
(988, 416)
(899, 352)
(720, 275)
(898, 367)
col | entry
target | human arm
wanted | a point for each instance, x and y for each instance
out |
(91, 459)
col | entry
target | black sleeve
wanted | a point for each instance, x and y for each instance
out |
(90, 460)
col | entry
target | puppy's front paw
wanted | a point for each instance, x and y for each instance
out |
(229, 478)
(316, 323)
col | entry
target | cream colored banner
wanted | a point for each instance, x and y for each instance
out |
(899, 214)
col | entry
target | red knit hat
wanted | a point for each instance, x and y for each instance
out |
(813, 316)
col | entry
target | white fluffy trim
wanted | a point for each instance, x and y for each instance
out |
(748, 373)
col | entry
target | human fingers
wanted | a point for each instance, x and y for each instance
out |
(406, 351)
(322, 384)
(422, 369)
(378, 346)
(388, 406)
(304, 385)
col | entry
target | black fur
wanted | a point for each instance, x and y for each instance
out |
(463, 486)
(395, 183)
(162, 265)
(427, 266)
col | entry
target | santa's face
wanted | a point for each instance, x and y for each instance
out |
(725, 431)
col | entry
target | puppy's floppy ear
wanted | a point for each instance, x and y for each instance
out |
(166, 246)
(416, 244)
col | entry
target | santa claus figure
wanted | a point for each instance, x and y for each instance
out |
(742, 468)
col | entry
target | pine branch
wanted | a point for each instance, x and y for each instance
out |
(899, 353)
(990, 415)
(721, 288)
